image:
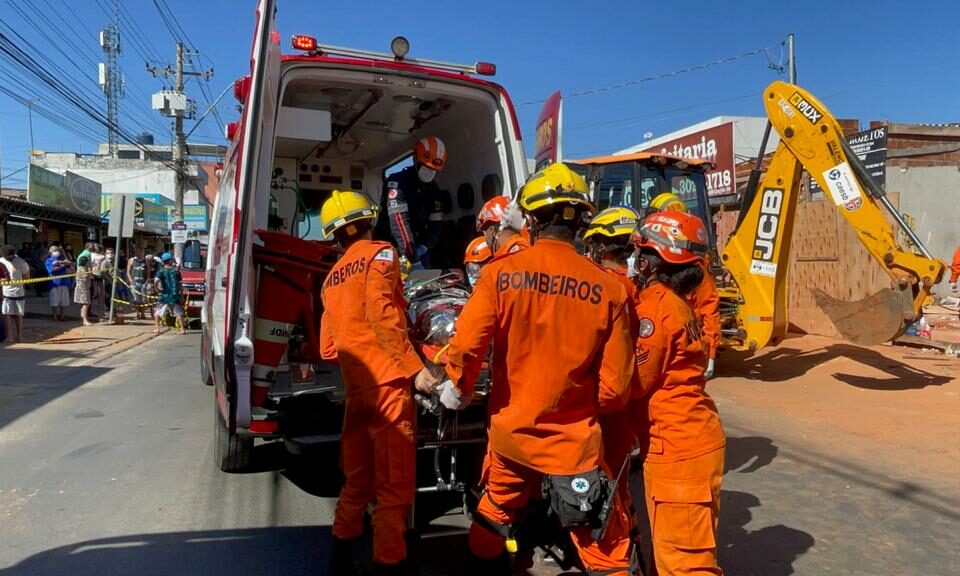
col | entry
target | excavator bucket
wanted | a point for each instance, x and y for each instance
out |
(876, 319)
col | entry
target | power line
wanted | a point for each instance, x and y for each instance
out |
(654, 77)
(16, 54)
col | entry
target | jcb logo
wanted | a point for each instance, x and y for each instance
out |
(808, 110)
(771, 204)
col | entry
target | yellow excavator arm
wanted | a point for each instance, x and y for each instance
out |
(758, 253)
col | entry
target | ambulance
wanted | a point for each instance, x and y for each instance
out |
(318, 119)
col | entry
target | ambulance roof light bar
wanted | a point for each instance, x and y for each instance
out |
(400, 46)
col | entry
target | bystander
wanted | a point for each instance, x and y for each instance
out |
(15, 295)
(58, 265)
(169, 286)
(81, 290)
(138, 271)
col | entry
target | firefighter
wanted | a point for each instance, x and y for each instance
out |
(682, 440)
(501, 223)
(607, 240)
(411, 201)
(705, 299)
(477, 255)
(562, 354)
(364, 330)
(666, 201)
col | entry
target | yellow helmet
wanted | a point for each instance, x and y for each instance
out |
(343, 208)
(668, 201)
(553, 186)
(614, 222)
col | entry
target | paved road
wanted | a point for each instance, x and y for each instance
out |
(108, 470)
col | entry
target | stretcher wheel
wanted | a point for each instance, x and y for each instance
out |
(232, 452)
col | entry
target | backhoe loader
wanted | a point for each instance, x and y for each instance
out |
(757, 255)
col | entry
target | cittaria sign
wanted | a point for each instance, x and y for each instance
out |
(713, 144)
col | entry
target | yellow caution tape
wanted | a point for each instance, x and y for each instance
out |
(34, 280)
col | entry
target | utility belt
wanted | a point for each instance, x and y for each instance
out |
(583, 500)
(577, 499)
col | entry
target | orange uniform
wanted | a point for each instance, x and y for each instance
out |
(514, 244)
(682, 440)
(562, 354)
(955, 267)
(619, 430)
(364, 329)
(705, 301)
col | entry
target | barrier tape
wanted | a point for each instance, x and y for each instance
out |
(34, 280)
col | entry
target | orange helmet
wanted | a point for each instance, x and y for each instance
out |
(678, 237)
(492, 212)
(431, 152)
(477, 252)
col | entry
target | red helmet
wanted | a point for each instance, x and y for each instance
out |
(431, 152)
(492, 211)
(678, 237)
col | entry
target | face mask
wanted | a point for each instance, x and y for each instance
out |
(426, 175)
(473, 273)
(56, 254)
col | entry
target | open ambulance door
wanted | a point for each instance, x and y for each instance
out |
(549, 128)
(253, 172)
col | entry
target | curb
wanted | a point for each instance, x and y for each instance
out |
(118, 347)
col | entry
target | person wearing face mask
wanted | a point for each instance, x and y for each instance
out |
(705, 299)
(477, 255)
(607, 240)
(411, 203)
(501, 223)
(58, 265)
(682, 440)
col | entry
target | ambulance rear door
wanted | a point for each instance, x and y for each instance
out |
(253, 173)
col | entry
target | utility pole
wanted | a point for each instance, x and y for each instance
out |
(175, 103)
(110, 81)
(791, 61)
(30, 123)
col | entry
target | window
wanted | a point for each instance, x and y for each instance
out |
(614, 186)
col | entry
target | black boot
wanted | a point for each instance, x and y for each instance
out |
(341, 559)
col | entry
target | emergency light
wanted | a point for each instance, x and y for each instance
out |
(399, 46)
(304, 42)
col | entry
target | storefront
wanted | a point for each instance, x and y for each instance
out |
(24, 223)
(61, 208)
(151, 223)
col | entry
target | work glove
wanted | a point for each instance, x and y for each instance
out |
(425, 381)
(953, 287)
(512, 217)
(708, 373)
(450, 397)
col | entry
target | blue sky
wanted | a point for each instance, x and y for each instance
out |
(866, 60)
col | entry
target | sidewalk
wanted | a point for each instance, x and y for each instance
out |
(70, 341)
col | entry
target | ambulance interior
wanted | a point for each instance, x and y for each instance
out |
(337, 129)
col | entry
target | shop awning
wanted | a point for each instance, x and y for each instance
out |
(25, 208)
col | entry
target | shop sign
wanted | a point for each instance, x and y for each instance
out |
(70, 193)
(715, 145)
(195, 217)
